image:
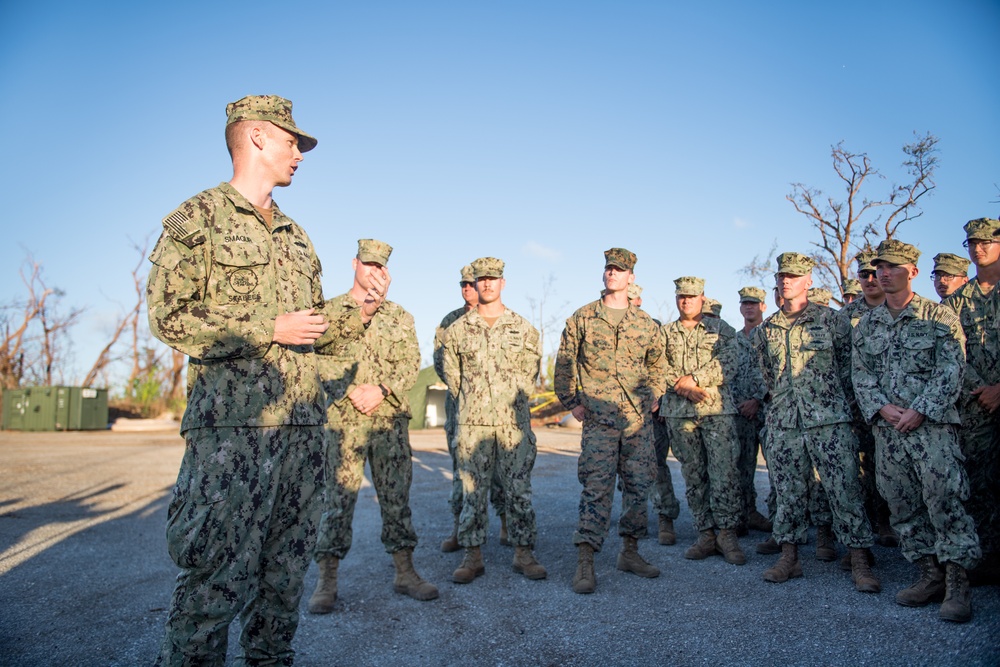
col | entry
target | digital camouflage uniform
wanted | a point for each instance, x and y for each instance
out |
(616, 374)
(490, 372)
(805, 365)
(703, 435)
(748, 384)
(916, 361)
(450, 423)
(979, 314)
(387, 354)
(241, 524)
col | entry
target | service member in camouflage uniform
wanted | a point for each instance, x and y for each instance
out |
(609, 372)
(235, 285)
(748, 395)
(820, 296)
(950, 273)
(471, 298)
(978, 306)
(701, 360)
(804, 352)
(851, 290)
(908, 363)
(368, 416)
(491, 357)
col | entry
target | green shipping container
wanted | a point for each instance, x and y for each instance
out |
(55, 409)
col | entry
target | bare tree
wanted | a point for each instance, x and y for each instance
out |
(538, 305)
(856, 220)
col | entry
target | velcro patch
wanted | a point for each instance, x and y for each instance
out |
(178, 225)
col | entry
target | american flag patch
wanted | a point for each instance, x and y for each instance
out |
(176, 225)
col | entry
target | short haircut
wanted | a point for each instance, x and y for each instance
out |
(236, 134)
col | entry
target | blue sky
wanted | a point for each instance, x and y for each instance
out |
(539, 132)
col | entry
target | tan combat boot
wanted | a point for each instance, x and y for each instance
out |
(472, 566)
(665, 531)
(768, 547)
(504, 538)
(929, 588)
(525, 563)
(729, 547)
(759, 522)
(957, 605)
(450, 545)
(704, 547)
(787, 567)
(861, 573)
(325, 594)
(407, 581)
(845, 560)
(629, 559)
(826, 544)
(585, 581)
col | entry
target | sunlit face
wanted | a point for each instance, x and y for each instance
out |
(616, 279)
(869, 284)
(489, 289)
(894, 278)
(363, 272)
(469, 293)
(946, 284)
(752, 311)
(690, 305)
(791, 286)
(281, 154)
(983, 253)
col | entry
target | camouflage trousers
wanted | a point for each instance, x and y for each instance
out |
(980, 442)
(455, 499)
(662, 494)
(385, 443)
(708, 449)
(241, 525)
(505, 453)
(748, 432)
(832, 450)
(920, 475)
(874, 502)
(606, 452)
(817, 505)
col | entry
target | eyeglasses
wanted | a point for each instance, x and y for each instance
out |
(944, 277)
(866, 275)
(466, 283)
(975, 242)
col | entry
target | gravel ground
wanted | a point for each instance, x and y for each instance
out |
(85, 580)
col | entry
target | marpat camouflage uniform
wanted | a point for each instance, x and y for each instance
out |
(916, 361)
(806, 366)
(616, 374)
(491, 371)
(748, 384)
(703, 435)
(242, 521)
(388, 354)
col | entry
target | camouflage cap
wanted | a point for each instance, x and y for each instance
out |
(634, 291)
(370, 250)
(864, 259)
(711, 307)
(752, 294)
(487, 267)
(953, 265)
(819, 295)
(795, 263)
(468, 275)
(852, 286)
(621, 258)
(984, 229)
(896, 252)
(273, 109)
(689, 286)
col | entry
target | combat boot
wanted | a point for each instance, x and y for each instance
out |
(826, 544)
(629, 559)
(407, 581)
(504, 538)
(665, 531)
(325, 594)
(957, 605)
(704, 547)
(525, 563)
(787, 567)
(845, 560)
(729, 547)
(887, 537)
(768, 547)
(929, 588)
(759, 522)
(861, 573)
(585, 581)
(472, 566)
(451, 545)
